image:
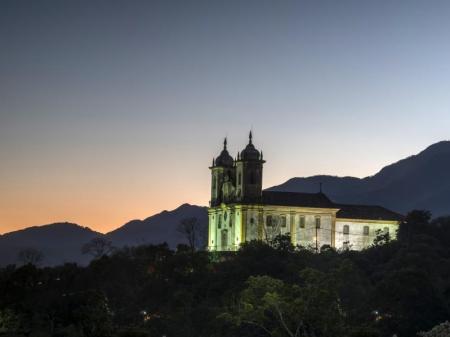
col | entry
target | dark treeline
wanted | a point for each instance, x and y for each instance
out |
(397, 288)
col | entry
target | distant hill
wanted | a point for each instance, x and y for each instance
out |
(421, 181)
(59, 242)
(158, 228)
(62, 242)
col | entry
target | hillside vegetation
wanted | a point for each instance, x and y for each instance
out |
(397, 288)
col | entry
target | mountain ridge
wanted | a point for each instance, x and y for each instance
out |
(409, 183)
(420, 181)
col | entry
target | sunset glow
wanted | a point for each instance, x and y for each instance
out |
(111, 113)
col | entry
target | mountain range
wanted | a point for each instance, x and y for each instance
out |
(421, 181)
(62, 242)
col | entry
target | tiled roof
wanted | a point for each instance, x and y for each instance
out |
(318, 200)
(366, 212)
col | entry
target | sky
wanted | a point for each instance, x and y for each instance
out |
(113, 110)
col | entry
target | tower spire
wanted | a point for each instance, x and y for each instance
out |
(225, 143)
(250, 136)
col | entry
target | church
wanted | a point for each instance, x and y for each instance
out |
(240, 210)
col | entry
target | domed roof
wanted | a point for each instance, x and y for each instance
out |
(250, 152)
(224, 159)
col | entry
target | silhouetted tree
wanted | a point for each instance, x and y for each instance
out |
(30, 255)
(193, 232)
(98, 247)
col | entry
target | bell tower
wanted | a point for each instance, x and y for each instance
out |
(249, 171)
(222, 175)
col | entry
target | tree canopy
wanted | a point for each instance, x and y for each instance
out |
(396, 287)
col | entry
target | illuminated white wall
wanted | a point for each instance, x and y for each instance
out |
(241, 218)
(356, 240)
(308, 235)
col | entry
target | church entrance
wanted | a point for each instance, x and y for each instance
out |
(224, 239)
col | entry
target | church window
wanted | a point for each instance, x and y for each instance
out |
(366, 230)
(318, 222)
(252, 177)
(225, 216)
(269, 221)
(283, 221)
(219, 225)
(302, 222)
(346, 229)
(239, 178)
(252, 221)
(214, 183)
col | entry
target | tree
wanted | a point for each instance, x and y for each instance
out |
(284, 310)
(263, 305)
(407, 301)
(9, 322)
(283, 243)
(416, 222)
(91, 313)
(30, 256)
(98, 247)
(441, 330)
(192, 231)
(381, 237)
(272, 229)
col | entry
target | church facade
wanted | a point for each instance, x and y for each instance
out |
(240, 210)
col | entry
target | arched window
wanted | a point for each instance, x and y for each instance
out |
(269, 221)
(239, 178)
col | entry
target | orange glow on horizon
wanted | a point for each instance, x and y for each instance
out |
(102, 209)
(98, 216)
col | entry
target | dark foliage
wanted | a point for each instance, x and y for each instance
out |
(400, 287)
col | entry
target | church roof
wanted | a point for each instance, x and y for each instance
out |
(224, 159)
(318, 200)
(367, 212)
(250, 152)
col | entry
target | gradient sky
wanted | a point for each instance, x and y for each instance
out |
(113, 110)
